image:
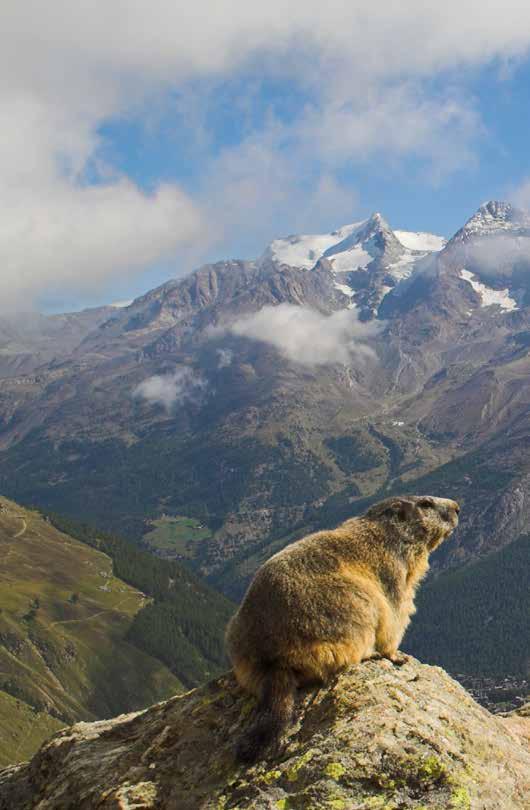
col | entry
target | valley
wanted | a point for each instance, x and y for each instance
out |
(70, 645)
(224, 414)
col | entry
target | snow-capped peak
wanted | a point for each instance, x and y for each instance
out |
(493, 218)
(306, 249)
(352, 251)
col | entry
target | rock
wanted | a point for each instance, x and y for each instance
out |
(379, 736)
(518, 722)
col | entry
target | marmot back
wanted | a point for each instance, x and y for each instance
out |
(330, 600)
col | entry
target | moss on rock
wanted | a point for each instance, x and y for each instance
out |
(378, 738)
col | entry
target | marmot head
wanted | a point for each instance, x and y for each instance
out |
(420, 519)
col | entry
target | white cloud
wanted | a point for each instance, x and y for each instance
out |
(249, 192)
(520, 196)
(393, 120)
(170, 390)
(306, 336)
(82, 237)
(500, 256)
(66, 68)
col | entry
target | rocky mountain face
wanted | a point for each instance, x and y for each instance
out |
(29, 340)
(378, 736)
(268, 397)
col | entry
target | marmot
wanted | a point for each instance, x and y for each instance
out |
(331, 599)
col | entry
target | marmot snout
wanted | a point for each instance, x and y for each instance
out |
(332, 599)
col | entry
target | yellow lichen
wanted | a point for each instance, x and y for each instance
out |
(292, 772)
(334, 769)
(460, 799)
(432, 769)
(144, 792)
(270, 776)
(378, 803)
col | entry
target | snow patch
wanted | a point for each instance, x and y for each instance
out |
(345, 290)
(403, 267)
(357, 258)
(121, 304)
(420, 240)
(488, 296)
(305, 250)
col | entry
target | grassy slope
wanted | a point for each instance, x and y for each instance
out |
(63, 621)
(184, 623)
(23, 729)
(176, 536)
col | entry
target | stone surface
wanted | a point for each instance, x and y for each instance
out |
(379, 736)
(518, 722)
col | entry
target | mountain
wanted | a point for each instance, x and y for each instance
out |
(379, 736)
(80, 629)
(64, 617)
(474, 620)
(29, 339)
(366, 259)
(251, 401)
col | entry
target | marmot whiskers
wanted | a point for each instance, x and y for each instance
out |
(331, 599)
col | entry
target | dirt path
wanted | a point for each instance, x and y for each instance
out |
(94, 615)
(84, 619)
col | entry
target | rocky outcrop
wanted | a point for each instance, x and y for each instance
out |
(379, 736)
(518, 722)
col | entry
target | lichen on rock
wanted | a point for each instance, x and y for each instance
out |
(379, 737)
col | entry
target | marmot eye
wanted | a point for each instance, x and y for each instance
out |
(426, 504)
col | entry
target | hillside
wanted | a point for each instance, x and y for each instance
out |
(475, 620)
(378, 737)
(183, 621)
(73, 637)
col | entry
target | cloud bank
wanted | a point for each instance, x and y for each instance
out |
(73, 218)
(306, 336)
(171, 390)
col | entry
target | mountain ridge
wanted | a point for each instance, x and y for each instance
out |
(251, 441)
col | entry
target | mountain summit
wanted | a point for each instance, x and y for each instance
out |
(494, 218)
(366, 259)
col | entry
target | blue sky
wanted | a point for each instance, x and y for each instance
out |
(144, 140)
(403, 189)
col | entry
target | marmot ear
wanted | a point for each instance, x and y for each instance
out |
(403, 510)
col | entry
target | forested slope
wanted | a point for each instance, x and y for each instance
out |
(65, 618)
(183, 623)
(476, 620)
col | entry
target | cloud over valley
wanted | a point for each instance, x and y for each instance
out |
(171, 390)
(308, 337)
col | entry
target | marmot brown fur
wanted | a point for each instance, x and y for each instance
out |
(331, 599)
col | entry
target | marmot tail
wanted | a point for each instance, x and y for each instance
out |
(274, 713)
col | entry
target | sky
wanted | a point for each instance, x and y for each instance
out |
(139, 140)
